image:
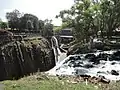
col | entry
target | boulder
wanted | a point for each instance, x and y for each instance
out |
(114, 72)
(79, 49)
(88, 66)
(116, 56)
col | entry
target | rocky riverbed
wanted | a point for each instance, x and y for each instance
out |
(103, 66)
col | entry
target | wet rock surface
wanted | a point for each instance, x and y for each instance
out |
(19, 58)
(81, 48)
(101, 65)
(5, 37)
(113, 72)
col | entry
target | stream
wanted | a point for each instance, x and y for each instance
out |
(100, 63)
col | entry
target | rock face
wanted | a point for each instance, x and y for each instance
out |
(78, 48)
(19, 58)
(5, 36)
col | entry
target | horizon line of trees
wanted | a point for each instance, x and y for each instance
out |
(21, 22)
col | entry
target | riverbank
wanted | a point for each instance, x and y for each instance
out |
(43, 82)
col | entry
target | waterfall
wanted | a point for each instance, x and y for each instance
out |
(55, 48)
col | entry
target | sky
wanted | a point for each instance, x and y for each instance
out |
(43, 9)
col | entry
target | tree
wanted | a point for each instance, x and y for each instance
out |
(29, 25)
(13, 19)
(110, 15)
(41, 26)
(48, 28)
(87, 17)
(3, 25)
(19, 21)
(80, 17)
(29, 21)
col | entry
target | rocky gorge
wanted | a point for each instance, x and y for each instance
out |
(24, 56)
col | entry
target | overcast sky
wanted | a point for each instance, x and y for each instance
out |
(43, 9)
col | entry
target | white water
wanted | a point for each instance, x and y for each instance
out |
(55, 48)
(102, 69)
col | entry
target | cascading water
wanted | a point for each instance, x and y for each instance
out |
(55, 47)
(106, 64)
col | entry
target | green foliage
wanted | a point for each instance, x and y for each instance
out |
(59, 28)
(19, 21)
(87, 17)
(56, 29)
(41, 25)
(29, 21)
(3, 25)
(13, 19)
(48, 28)
(29, 25)
(43, 83)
